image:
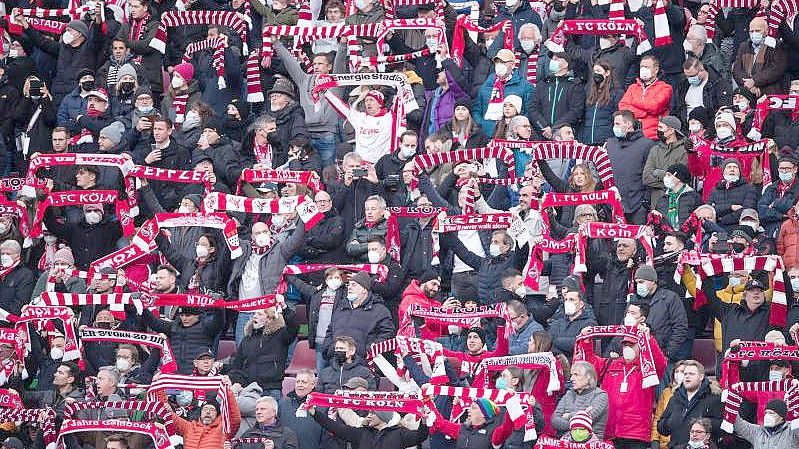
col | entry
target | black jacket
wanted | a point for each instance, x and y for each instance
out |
(186, 342)
(325, 241)
(367, 324)
(214, 275)
(628, 157)
(391, 289)
(724, 195)
(332, 377)
(737, 321)
(173, 156)
(16, 288)
(348, 200)
(675, 420)
(564, 331)
(370, 438)
(557, 100)
(417, 246)
(782, 129)
(284, 437)
(773, 208)
(687, 201)
(489, 269)
(668, 321)
(717, 92)
(262, 357)
(88, 242)
(290, 123)
(478, 437)
(610, 297)
(309, 432)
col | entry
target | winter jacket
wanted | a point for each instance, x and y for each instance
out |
(290, 124)
(780, 126)
(73, 105)
(370, 438)
(333, 376)
(610, 297)
(660, 407)
(271, 265)
(223, 154)
(725, 195)
(214, 272)
(489, 268)
(572, 401)
(773, 206)
(597, 125)
(648, 104)
(521, 14)
(325, 241)
(628, 158)
(349, 200)
(619, 56)
(516, 85)
(783, 436)
(630, 408)
(417, 246)
(737, 321)
(716, 92)
(687, 200)
(390, 289)
(667, 321)
(194, 96)
(284, 437)
(41, 132)
(520, 338)
(413, 295)
(441, 106)
(308, 431)
(368, 323)
(670, 56)
(766, 69)
(186, 342)
(151, 59)
(261, 357)
(16, 288)
(205, 72)
(676, 419)
(313, 296)
(476, 139)
(564, 331)
(557, 100)
(72, 285)
(358, 241)
(788, 240)
(198, 436)
(661, 157)
(88, 242)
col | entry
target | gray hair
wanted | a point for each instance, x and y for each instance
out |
(12, 245)
(698, 31)
(113, 371)
(269, 400)
(532, 26)
(583, 209)
(351, 157)
(381, 202)
(589, 371)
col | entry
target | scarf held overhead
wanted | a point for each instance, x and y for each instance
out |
(646, 359)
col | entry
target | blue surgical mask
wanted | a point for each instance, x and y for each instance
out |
(795, 285)
(735, 281)
(352, 297)
(642, 290)
(501, 383)
(775, 375)
(694, 80)
(756, 37)
(554, 66)
(617, 131)
(786, 177)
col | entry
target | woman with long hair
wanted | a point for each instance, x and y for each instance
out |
(601, 101)
(511, 107)
(581, 180)
(465, 131)
(541, 341)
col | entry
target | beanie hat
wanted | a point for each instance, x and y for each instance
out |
(479, 331)
(726, 117)
(731, 160)
(465, 102)
(113, 132)
(778, 406)
(647, 273)
(64, 255)
(428, 275)
(142, 90)
(93, 206)
(185, 70)
(673, 123)
(746, 94)
(385, 415)
(80, 27)
(681, 172)
(377, 96)
(126, 69)
(487, 408)
(242, 106)
(516, 101)
(363, 279)
(699, 113)
(581, 420)
(283, 86)
(195, 198)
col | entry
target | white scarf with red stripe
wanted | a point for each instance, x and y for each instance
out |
(732, 400)
(83, 197)
(254, 176)
(598, 27)
(599, 230)
(230, 19)
(217, 44)
(168, 363)
(183, 382)
(306, 209)
(159, 436)
(44, 316)
(464, 24)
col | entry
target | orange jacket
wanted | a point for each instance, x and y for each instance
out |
(199, 436)
(648, 104)
(788, 240)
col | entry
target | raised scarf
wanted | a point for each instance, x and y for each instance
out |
(12, 337)
(207, 301)
(44, 25)
(168, 363)
(179, 103)
(374, 269)
(159, 436)
(598, 230)
(733, 399)
(475, 222)
(764, 108)
(155, 408)
(598, 27)
(367, 400)
(40, 316)
(82, 197)
(183, 382)
(512, 401)
(645, 358)
(426, 161)
(552, 443)
(229, 19)
(171, 175)
(778, 13)
(464, 23)
(303, 205)
(253, 176)
(10, 399)
(715, 8)
(13, 209)
(753, 350)
(535, 261)
(217, 45)
(263, 153)
(425, 212)
(607, 196)
(545, 361)
(33, 415)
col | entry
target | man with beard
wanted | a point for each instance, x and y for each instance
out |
(423, 292)
(207, 430)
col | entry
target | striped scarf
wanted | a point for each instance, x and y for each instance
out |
(598, 27)
(228, 19)
(732, 402)
(302, 205)
(179, 103)
(532, 64)
(646, 360)
(217, 44)
(33, 415)
(183, 382)
(599, 230)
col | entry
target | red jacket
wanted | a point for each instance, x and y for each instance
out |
(413, 295)
(630, 413)
(469, 362)
(788, 240)
(648, 104)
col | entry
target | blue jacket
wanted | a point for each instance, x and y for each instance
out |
(516, 85)
(71, 106)
(523, 14)
(773, 209)
(520, 338)
(598, 120)
(564, 332)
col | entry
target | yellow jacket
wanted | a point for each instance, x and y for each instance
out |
(663, 401)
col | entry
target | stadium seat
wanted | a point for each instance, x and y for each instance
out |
(304, 357)
(705, 352)
(227, 348)
(288, 384)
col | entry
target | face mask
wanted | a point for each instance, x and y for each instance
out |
(604, 43)
(6, 260)
(735, 281)
(407, 152)
(769, 421)
(661, 136)
(520, 291)
(569, 308)
(340, 357)
(494, 250)
(50, 239)
(678, 378)
(724, 133)
(262, 240)
(756, 37)
(527, 45)
(93, 217)
(3, 228)
(737, 247)
(786, 177)
(145, 109)
(56, 353)
(184, 398)
(628, 353)
(795, 284)
(694, 80)
(775, 375)
(122, 364)
(202, 251)
(67, 38)
(554, 66)
(333, 283)
(580, 435)
(599, 78)
(668, 182)
(501, 70)
(184, 210)
(645, 73)
(177, 82)
(510, 3)
(642, 290)
(630, 320)
(352, 297)
(103, 324)
(687, 46)
(696, 444)
(731, 178)
(501, 383)
(619, 133)
(432, 44)
(127, 86)
(86, 86)
(373, 256)
(694, 127)
(742, 105)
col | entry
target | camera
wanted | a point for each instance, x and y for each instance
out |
(359, 172)
(392, 181)
(716, 160)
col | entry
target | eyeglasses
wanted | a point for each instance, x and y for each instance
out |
(321, 201)
(698, 432)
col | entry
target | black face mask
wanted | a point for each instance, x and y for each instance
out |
(661, 136)
(103, 325)
(340, 357)
(599, 78)
(127, 86)
(737, 247)
(87, 85)
(558, 6)
(233, 118)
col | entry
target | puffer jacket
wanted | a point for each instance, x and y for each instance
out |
(783, 436)
(198, 436)
(557, 100)
(662, 156)
(572, 401)
(648, 104)
(308, 431)
(186, 342)
(628, 157)
(725, 194)
(356, 248)
(706, 403)
(368, 323)
(598, 119)
(788, 240)
(271, 264)
(261, 356)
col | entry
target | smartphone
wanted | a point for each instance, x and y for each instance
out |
(35, 89)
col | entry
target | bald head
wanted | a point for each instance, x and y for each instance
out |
(323, 202)
(259, 227)
(758, 25)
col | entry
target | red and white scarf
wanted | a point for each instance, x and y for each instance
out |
(206, 301)
(115, 301)
(4, 271)
(168, 363)
(464, 23)
(44, 25)
(753, 350)
(304, 34)
(217, 44)
(183, 382)
(532, 64)
(253, 176)
(12, 337)
(552, 443)
(252, 69)
(374, 269)
(228, 19)
(715, 8)
(535, 261)
(732, 402)
(33, 415)
(160, 437)
(156, 409)
(82, 197)
(780, 11)
(462, 317)
(12, 184)
(306, 209)
(10, 399)
(645, 359)
(426, 212)
(474, 222)
(545, 361)
(512, 401)
(13, 209)
(42, 315)
(263, 153)
(598, 27)
(429, 354)
(171, 175)
(367, 400)
(607, 196)
(662, 30)
(768, 104)
(425, 161)
(598, 230)
(179, 104)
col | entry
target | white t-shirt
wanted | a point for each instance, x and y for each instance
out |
(372, 135)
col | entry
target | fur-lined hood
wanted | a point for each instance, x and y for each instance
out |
(271, 327)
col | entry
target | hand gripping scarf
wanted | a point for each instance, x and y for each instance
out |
(429, 354)
(32, 415)
(183, 382)
(425, 161)
(552, 443)
(778, 13)
(732, 402)
(544, 361)
(535, 261)
(598, 27)
(367, 400)
(428, 212)
(475, 222)
(160, 437)
(217, 45)
(155, 409)
(41, 316)
(115, 301)
(607, 196)
(168, 363)
(398, 375)
(10, 399)
(715, 7)
(253, 176)
(206, 301)
(464, 23)
(646, 360)
(228, 19)
(746, 153)
(764, 108)
(83, 197)
(304, 206)
(171, 175)
(374, 269)
(11, 337)
(598, 230)
(13, 209)
(752, 350)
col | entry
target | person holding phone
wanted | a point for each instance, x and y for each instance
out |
(35, 116)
